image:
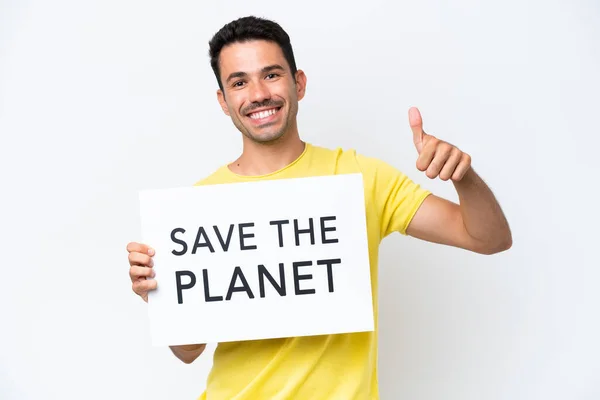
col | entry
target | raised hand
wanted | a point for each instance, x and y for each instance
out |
(436, 157)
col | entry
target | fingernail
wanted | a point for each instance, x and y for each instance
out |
(151, 252)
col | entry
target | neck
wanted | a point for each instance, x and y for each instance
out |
(264, 158)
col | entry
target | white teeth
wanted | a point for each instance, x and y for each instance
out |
(263, 114)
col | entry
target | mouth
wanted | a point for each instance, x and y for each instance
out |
(264, 116)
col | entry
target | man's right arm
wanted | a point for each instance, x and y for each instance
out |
(142, 280)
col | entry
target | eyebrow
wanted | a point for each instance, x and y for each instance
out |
(268, 68)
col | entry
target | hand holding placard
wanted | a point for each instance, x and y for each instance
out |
(140, 269)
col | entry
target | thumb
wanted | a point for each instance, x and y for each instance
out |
(416, 124)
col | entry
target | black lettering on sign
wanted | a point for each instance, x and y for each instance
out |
(180, 286)
(279, 223)
(244, 288)
(239, 283)
(325, 229)
(202, 233)
(178, 241)
(203, 238)
(246, 235)
(329, 264)
(224, 244)
(310, 230)
(297, 277)
(207, 296)
(262, 272)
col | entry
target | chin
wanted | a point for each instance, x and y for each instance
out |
(265, 134)
(266, 137)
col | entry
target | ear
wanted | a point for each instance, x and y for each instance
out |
(300, 84)
(222, 102)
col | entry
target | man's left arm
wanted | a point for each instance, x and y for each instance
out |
(477, 223)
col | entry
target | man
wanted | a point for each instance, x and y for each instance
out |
(259, 88)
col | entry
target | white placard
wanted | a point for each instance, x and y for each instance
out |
(258, 260)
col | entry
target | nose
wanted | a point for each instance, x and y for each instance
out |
(259, 92)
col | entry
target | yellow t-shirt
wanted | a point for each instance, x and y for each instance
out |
(341, 366)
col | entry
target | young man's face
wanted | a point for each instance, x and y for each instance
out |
(259, 92)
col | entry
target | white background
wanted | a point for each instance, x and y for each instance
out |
(99, 99)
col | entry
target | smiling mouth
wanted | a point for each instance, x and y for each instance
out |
(264, 114)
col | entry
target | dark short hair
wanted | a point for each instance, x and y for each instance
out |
(245, 29)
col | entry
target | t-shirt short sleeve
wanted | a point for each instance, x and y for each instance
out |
(394, 195)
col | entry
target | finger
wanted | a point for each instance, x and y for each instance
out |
(462, 168)
(140, 248)
(142, 287)
(427, 153)
(451, 164)
(416, 125)
(442, 154)
(136, 272)
(140, 259)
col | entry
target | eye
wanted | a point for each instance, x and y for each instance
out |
(271, 76)
(238, 84)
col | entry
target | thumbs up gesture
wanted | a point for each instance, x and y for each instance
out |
(436, 157)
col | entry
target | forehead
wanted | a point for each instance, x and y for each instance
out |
(250, 56)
